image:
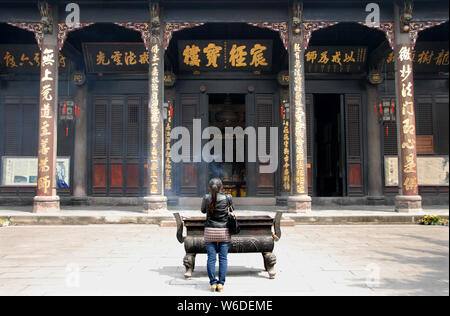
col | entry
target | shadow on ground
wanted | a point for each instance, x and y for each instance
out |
(430, 278)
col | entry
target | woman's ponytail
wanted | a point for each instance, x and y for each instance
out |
(215, 185)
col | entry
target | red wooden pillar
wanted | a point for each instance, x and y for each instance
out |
(408, 198)
(299, 201)
(155, 199)
(46, 199)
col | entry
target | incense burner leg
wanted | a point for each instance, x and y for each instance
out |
(269, 263)
(189, 263)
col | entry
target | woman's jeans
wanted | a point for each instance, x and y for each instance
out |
(214, 248)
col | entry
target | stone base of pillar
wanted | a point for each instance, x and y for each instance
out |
(155, 203)
(46, 204)
(299, 203)
(408, 203)
(376, 200)
(79, 200)
(282, 200)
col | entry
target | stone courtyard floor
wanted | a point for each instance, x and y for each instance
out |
(147, 260)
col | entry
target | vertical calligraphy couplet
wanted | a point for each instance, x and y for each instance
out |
(286, 177)
(408, 164)
(299, 121)
(168, 161)
(156, 145)
(47, 133)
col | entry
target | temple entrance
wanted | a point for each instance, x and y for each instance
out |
(228, 110)
(226, 77)
(329, 146)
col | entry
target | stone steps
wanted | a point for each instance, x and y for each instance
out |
(168, 221)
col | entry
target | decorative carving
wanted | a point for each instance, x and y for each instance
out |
(297, 20)
(280, 27)
(142, 28)
(310, 27)
(64, 29)
(46, 17)
(154, 19)
(386, 27)
(175, 27)
(406, 16)
(246, 243)
(36, 28)
(416, 27)
(297, 15)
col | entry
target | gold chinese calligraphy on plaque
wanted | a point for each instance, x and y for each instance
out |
(25, 58)
(426, 57)
(342, 59)
(116, 57)
(221, 55)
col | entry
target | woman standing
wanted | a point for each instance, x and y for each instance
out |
(217, 237)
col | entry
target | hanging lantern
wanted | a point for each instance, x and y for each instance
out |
(386, 110)
(68, 111)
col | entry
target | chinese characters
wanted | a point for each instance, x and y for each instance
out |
(49, 69)
(299, 121)
(407, 121)
(17, 59)
(225, 55)
(155, 118)
(335, 59)
(286, 173)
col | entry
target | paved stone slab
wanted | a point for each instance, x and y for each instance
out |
(147, 260)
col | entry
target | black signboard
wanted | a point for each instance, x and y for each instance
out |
(225, 55)
(116, 57)
(341, 59)
(427, 57)
(24, 58)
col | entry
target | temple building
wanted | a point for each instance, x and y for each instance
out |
(350, 98)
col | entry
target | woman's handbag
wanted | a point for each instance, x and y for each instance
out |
(233, 225)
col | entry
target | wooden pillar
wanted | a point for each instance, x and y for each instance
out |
(375, 183)
(46, 199)
(80, 175)
(155, 199)
(299, 201)
(408, 198)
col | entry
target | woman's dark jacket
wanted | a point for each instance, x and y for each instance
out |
(218, 218)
